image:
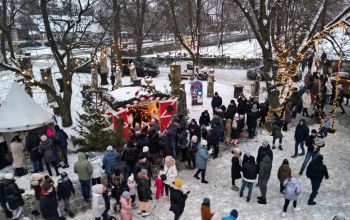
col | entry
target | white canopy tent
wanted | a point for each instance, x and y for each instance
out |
(19, 112)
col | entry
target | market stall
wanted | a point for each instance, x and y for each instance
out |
(141, 105)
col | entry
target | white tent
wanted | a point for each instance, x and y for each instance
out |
(20, 112)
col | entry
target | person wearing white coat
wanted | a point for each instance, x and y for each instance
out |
(170, 172)
(306, 102)
(97, 202)
(96, 168)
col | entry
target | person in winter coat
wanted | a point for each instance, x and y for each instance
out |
(284, 172)
(48, 202)
(264, 160)
(204, 119)
(84, 170)
(292, 192)
(172, 137)
(183, 142)
(61, 139)
(202, 156)
(316, 171)
(97, 201)
(233, 215)
(235, 167)
(7, 212)
(125, 206)
(288, 111)
(95, 162)
(109, 160)
(235, 133)
(216, 102)
(252, 120)
(17, 150)
(65, 190)
(143, 163)
(144, 192)
(32, 146)
(153, 135)
(277, 125)
(329, 89)
(228, 131)
(170, 172)
(13, 196)
(132, 188)
(215, 136)
(205, 210)
(264, 109)
(312, 150)
(118, 186)
(300, 135)
(191, 152)
(130, 155)
(326, 126)
(231, 110)
(35, 181)
(46, 148)
(159, 184)
(177, 198)
(307, 103)
(194, 129)
(112, 78)
(250, 171)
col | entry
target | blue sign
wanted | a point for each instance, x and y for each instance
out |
(197, 93)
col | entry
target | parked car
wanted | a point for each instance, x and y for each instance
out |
(187, 72)
(144, 66)
(30, 43)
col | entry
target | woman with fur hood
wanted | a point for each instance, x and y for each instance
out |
(292, 192)
(284, 172)
(144, 192)
(235, 167)
(35, 181)
(97, 201)
(170, 172)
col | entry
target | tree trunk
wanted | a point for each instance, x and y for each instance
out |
(116, 34)
(3, 47)
(3, 24)
(139, 43)
(65, 106)
(9, 42)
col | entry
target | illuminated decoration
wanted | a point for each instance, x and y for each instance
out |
(335, 100)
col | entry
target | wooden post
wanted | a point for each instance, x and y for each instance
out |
(46, 77)
(175, 77)
(211, 80)
(182, 102)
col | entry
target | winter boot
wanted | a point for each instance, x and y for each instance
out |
(283, 214)
(273, 147)
(310, 202)
(71, 214)
(204, 181)
(197, 177)
(262, 201)
(280, 147)
(234, 188)
(35, 213)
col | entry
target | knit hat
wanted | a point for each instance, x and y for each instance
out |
(234, 213)
(46, 186)
(314, 131)
(265, 143)
(285, 161)
(194, 139)
(206, 201)
(145, 149)
(64, 175)
(204, 142)
(126, 194)
(43, 138)
(246, 152)
(92, 155)
(131, 177)
(144, 172)
(109, 147)
(178, 182)
(8, 176)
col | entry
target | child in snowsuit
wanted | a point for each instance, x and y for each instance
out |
(97, 201)
(235, 133)
(125, 206)
(65, 190)
(284, 172)
(326, 126)
(159, 184)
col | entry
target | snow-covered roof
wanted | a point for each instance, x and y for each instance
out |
(20, 112)
(125, 93)
(58, 24)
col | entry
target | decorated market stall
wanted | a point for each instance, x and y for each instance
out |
(140, 105)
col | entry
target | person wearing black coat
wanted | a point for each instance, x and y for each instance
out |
(194, 129)
(311, 152)
(144, 192)
(130, 155)
(143, 164)
(216, 102)
(252, 120)
(264, 109)
(316, 171)
(172, 138)
(250, 171)
(231, 110)
(65, 190)
(215, 136)
(3, 199)
(13, 196)
(235, 167)
(48, 202)
(32, 146)
(300, 135)
(177, 199)
(204, 119)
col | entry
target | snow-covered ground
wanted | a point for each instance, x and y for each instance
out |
(333, 196)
